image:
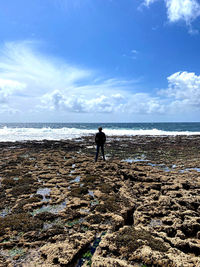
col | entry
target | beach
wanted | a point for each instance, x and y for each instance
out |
(141, 207)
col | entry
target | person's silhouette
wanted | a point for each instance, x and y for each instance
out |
(100, 139)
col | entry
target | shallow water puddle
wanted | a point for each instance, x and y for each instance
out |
(90, 146)
(139, 159)
(94, 203)
(76, 180)
(32, 158)
(44, 192)
(91, 193)
(11, 253)
(129, 160)
(190, 169)
(25, 156)
(71, 172)
(142, 159)
(84, 210)
(5, 212)
(74, 222)
(155, 223)
(162, 167)
(48, 225)
(86, 257)
(40, 180)
(55, 209)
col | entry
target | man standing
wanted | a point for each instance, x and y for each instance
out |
(100, 139)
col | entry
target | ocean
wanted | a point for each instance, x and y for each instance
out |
(58, 131)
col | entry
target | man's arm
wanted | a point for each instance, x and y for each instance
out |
(104, 138)
(96, 138)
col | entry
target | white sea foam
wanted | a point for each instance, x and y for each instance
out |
(24, 134)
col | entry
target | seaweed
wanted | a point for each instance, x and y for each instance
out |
(106, 188)
(87, 256)
(23, 202)
(110, 204)
(21, 222)
(8, 182)
(17, 252)
(131, 238)
(79, 191)
(21, 189)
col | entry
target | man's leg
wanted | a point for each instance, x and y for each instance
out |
(97, 153)
(102, 151)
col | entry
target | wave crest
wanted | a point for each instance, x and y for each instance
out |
(25, 134)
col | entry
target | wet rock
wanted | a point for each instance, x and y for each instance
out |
(66, 252)
(149, 209)
(19, 222)
(190, 228)
(46, 216)
(98, 261)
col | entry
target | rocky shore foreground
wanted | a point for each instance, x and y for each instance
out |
(141, 207)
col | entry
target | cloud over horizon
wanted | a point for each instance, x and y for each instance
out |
(184, 89)
(34, 82)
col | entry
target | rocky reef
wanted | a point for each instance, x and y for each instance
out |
(141, 207)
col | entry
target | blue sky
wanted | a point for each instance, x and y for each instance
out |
(99, 60)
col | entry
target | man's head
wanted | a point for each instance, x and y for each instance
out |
(100, 129)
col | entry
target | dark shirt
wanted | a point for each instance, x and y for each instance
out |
(100, 138)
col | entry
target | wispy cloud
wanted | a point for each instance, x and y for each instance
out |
(135, 52)
(33, 82)
(22, 62)
(148, 2)
(9, 87)
(132, 54)
(54, 84)
(180, 10)
(68, 6)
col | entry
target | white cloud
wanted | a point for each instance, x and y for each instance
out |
(184, 91)
(30, 76)
(6, 109)
(180, 10)
(21, 61)
(34, 83)
(187, 10)
(143, 103)
(83, 103)
(138, 103)
(181, 96)
(11, 86)
(8, 88)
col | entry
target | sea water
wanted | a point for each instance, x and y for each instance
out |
(64, 131)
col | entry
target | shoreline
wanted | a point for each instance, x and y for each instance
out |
(140, 207)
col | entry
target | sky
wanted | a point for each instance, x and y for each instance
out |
(100, 61)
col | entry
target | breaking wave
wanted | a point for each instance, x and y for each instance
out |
(64, 133)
